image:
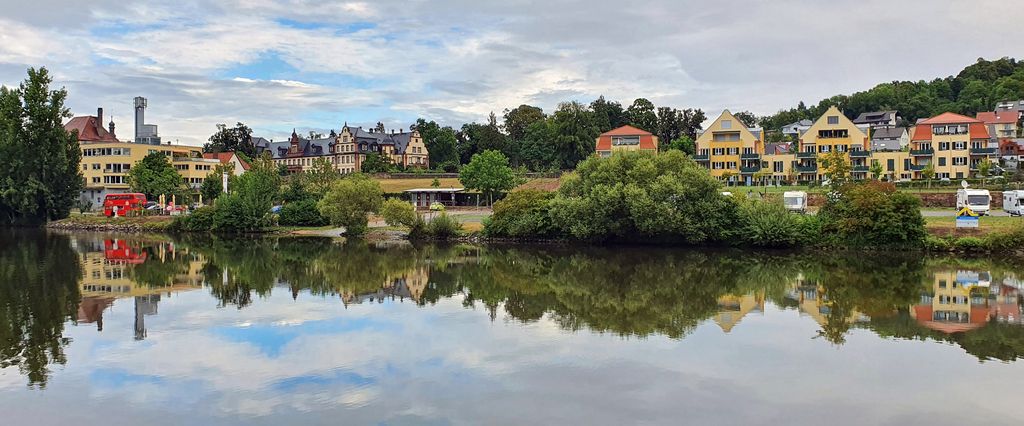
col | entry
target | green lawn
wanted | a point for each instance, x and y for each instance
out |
(946, 225)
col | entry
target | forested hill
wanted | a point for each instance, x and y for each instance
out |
(977, 87)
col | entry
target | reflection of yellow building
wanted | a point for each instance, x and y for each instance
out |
(732, 309)
(813, 302)
(407, 284)
(105, 275)
(958, 301)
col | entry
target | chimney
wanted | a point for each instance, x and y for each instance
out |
(99, 117)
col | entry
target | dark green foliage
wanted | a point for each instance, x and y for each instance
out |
(237, 139)
(301, 213)
(377, 163)
(200, 220)
(443, 227)
(873, 214)
(638, 196)
(40, 177)
(969, 244)
(769, 224)
(442, 146)
(156, 176)
(522, 214)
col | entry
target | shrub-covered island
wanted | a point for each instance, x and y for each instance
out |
(667, 198)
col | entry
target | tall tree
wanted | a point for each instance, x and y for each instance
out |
(489, 172)
(670, 125)
(747, 118)
(575, 133)
(642, 115)
(537, 149)
(40, 176)
(442, 146)
(608, 115)
(232, 139)
(475, 138)
(519, 118)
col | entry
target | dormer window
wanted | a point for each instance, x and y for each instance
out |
(833, 119)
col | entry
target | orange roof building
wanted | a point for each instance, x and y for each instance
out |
(953, 144)
(625, 138)
(240, 165)
(90, 128)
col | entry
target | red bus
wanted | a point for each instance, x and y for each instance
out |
(125, 203)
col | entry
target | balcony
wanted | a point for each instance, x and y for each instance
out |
(984, 151)
(859, 169)
(807, 169)
(922, 152)
(860, 153)
(701, 157)
(754, 156)
(748, 170)
(918, 167)
(806, 155)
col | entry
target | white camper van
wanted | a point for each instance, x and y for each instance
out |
(795, 201)
(978, 200)
(1013, 202)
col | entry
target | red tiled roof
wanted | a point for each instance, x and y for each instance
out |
(923, 130)
(225, 158)
(999, 117)
(89, 129)
(950, 118)
(627, 131)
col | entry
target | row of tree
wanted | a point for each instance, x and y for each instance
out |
(977, 88)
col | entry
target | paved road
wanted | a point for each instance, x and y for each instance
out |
(952, 212)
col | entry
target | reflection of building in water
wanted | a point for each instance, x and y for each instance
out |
(960, 301)
(813, 302)
(732, 309)
(107, 275)
(409, 284)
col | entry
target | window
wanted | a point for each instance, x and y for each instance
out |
(833, 119)
(732, 151)
(726, 124)
(625, 140)
(778, 167)
(942, 161)
(85, 167)
(833, 134)
(730, 165)
(943, 146)
(959, 161)
(718, 151)
(841, 148)
(959, 146)
(890, 165)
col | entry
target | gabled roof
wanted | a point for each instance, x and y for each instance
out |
(627, 130)
(950, 118)
(90, 129)
(225, 158)
(999, 117)
(888, 132)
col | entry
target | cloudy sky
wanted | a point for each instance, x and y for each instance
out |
(312, 65)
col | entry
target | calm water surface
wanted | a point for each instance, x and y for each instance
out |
(121, 329)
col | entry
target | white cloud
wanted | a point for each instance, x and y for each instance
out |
(457, 60)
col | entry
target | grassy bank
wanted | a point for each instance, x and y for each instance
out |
(118, 224)
(946, 226)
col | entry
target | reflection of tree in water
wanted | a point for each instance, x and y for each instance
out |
(993, 341)
(39, 276)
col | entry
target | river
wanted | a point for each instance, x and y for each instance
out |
(128, 329)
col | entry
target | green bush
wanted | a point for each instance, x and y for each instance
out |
(301, 213)
(639, 196)
(768, 224)
(522, 214)
(933, 243)
(872, 214)
(398, 213)
(969, 244)
(349, 202)
(443, 227)
(1006, 241)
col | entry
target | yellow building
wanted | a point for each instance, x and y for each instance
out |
(958, 301)
(832, 132)
(106, 160)
(730, 150)
(895, 165)
(953, 144)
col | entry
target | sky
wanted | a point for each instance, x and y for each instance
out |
(276, 65)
